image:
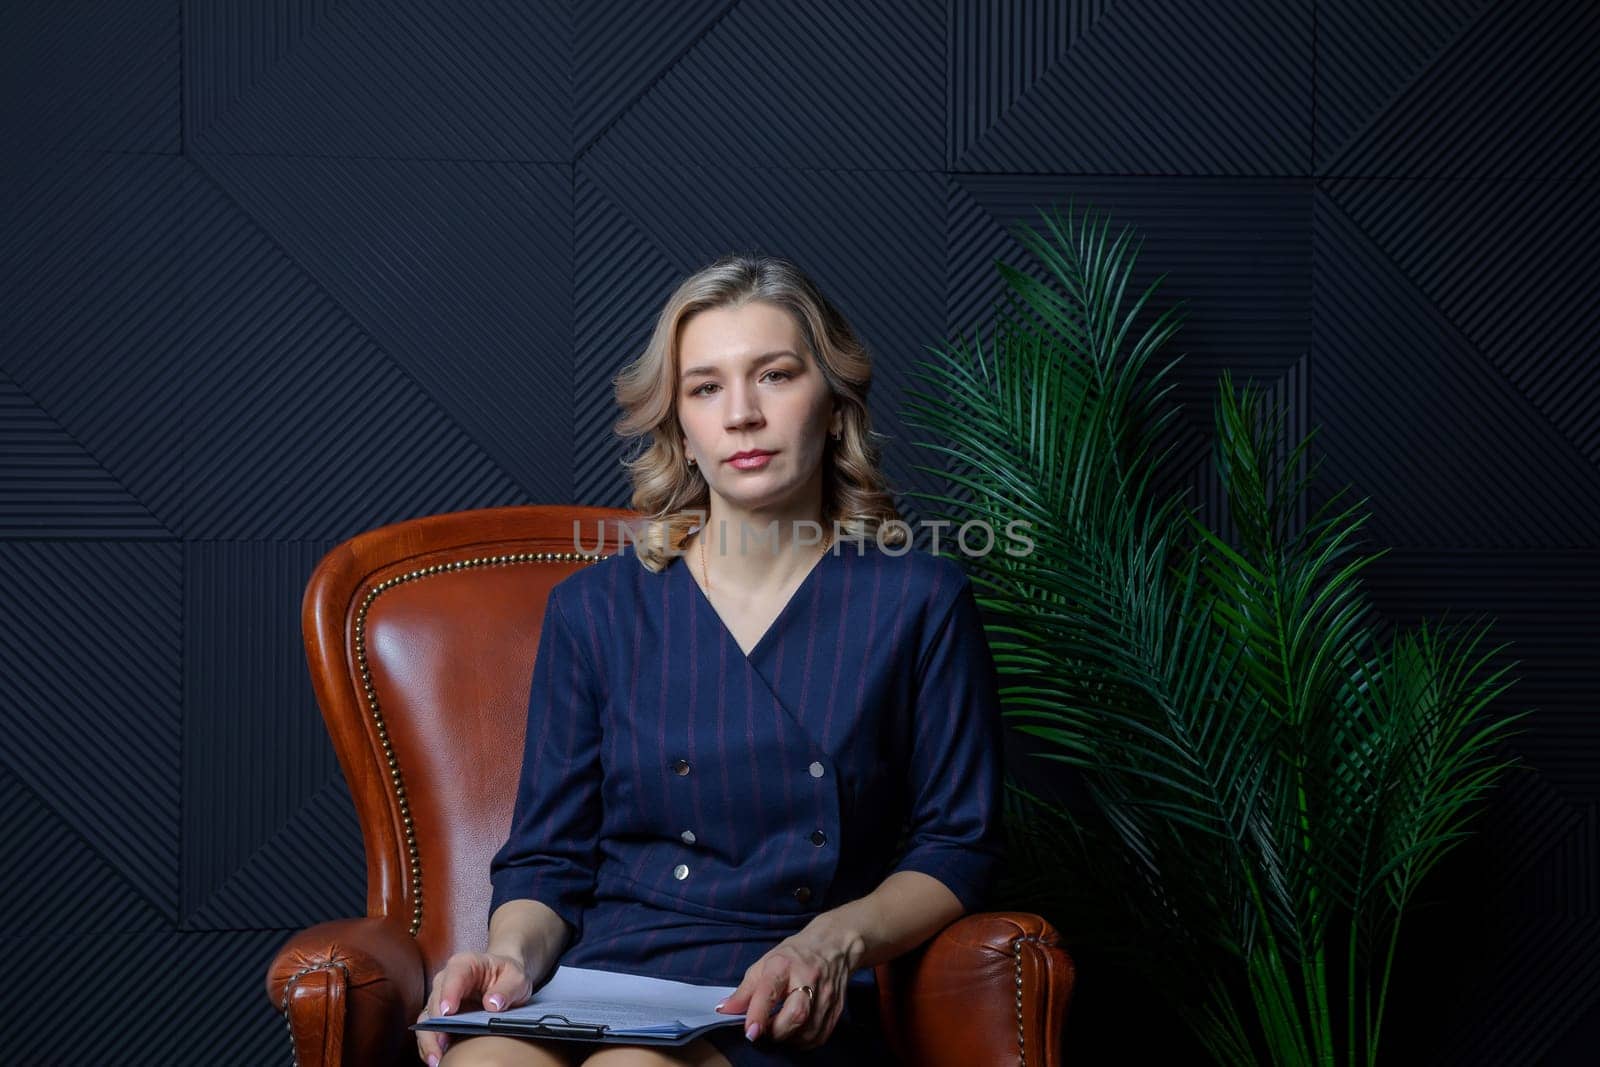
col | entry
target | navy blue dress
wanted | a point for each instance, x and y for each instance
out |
(686, 807)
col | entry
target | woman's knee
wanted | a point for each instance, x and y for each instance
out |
(489, 1050)
(698, 1053)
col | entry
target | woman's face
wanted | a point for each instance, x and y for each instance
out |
(747, 383)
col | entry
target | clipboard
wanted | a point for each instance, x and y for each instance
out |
(651, 1011)
(560, 1027)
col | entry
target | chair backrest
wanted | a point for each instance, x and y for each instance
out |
(421, 638)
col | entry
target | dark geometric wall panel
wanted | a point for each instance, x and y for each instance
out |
(795, 86)
(1421, 420)
(227, 47)
(1368, 56)
(1510, 94)
(1468, 248)
(1153, 87)
(468, 80)
(612, 68)
(219, 1018)
(63, 881)
(262, 790)
(92, 75)
(51, 487)
(998, 51)
(974, 240)
(91, 654)
(617, 287)
(275, 272)
(459, 271)
(91, 316)
(299, 424)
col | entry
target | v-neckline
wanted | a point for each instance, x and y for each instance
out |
(777, 620)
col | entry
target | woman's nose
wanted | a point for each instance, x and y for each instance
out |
(742, 409)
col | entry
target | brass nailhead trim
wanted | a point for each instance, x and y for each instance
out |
(1016, 955)
(294, 1053)
(388, 747)
(372, 696)
(400, 792)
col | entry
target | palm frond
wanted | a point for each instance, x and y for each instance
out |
(1260, 773)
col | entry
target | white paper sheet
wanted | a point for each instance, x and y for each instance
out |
(623, 1002)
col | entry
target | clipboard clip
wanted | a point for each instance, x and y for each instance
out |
(565, 1028)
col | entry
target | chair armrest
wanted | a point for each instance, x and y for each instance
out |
(989, 989)
(348, 989)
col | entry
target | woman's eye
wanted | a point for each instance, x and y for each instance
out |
(700, 390)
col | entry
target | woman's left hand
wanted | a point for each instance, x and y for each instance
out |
(774, 983)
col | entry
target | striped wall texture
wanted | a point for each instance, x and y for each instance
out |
(274, 272)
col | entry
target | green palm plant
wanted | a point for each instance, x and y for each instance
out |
(1269, 779)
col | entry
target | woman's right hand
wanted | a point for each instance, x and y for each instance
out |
(468, 980)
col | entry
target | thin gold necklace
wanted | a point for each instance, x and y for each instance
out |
(705, 574)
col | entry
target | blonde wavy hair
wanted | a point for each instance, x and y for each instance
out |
(673, 497)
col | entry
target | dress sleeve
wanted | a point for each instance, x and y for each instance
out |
(956, 769)
(552, 850)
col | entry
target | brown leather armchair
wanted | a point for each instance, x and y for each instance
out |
(419, 637)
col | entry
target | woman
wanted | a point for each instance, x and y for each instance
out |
(764, 741)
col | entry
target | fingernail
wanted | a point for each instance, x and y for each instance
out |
(494, 1003)
(444, 1007)
(433, 1061)
(752, 1030)
(720, 1003)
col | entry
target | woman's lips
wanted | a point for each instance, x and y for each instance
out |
(751, 463)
